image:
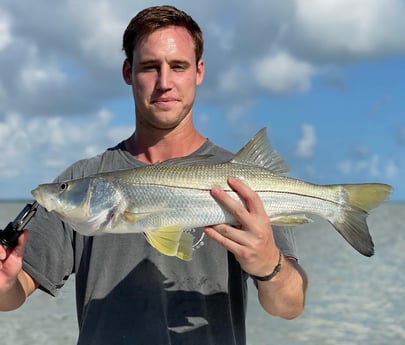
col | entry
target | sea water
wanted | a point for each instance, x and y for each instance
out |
(351, 299)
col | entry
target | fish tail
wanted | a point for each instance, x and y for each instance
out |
(352, 224)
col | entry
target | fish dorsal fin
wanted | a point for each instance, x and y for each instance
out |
(259, 152)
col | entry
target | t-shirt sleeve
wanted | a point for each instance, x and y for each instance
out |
(49, 257)
(285, 240)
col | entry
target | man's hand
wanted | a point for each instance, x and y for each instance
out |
(253, 243)
(11, 262)
(15, 284)
(254, 247)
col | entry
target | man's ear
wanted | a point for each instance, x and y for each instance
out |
(127, 72)
(200, 71)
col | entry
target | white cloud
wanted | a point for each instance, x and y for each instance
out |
(33, 77)
(5, 35)
(349, 29)
(35, 150)
(98, 40)
(63, 48)
(306, 145)
(391, 169)
(373, 166)
(282, 73)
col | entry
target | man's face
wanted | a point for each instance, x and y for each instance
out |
(164, 78)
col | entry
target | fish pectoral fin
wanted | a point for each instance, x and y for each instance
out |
(132, 217)
(291, 220)
(171, 241)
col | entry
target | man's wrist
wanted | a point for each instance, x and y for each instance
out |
(275, 271)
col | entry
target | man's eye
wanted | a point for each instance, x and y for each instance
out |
(178, 68)
(149, 68)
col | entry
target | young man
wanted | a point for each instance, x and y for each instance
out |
(127, 292)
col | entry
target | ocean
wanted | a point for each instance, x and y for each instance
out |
(351, 299)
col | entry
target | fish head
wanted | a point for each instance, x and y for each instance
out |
(86, 204)
(67, 198)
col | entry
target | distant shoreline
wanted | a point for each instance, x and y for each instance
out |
(15, 201)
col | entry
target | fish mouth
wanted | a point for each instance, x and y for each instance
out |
(39, 197)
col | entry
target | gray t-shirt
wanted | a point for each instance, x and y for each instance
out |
(129, 293)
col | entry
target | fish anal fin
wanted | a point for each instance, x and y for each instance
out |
(185, 249)
(291, 220)
(171, 241)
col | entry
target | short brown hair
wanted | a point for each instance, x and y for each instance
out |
(158, 17)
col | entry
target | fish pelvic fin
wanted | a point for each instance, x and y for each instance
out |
(171, 241)
(259, 152)
(353, 225)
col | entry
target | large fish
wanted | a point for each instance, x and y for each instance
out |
(164, 199)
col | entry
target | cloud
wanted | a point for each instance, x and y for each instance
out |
(5, 36)
(60, 69)
(64, 57)
(36, 150)
(61, 58)
(307, 144)
(373, 166)
(345, 30)
(282, 73)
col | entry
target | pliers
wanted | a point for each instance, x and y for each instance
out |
(9, 236)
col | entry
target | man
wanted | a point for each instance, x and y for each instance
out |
(127, 292)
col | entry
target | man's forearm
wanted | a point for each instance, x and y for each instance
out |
(284, 295)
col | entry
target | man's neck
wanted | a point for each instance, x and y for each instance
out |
(151, 146)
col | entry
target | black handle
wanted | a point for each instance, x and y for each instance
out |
(9, 236)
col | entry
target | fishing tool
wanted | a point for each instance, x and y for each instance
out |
(9, 236)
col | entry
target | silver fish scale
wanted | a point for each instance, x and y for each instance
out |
(157, 205)
(206, 176)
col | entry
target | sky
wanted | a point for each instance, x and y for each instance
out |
(326, 77)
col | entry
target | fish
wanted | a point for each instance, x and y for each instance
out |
(165, 199)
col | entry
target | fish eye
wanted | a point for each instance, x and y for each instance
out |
(63, 186)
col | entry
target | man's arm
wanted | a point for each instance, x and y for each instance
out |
(254, 247)
(284, 295)
(15, 284)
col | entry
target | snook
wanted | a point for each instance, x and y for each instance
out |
(162, 200)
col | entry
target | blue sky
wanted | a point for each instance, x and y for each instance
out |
(326, 77)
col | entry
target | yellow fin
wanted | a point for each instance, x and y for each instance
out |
(165, 240)
(292, 220)
(185, 249)
(360, 198)
(367, 195)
